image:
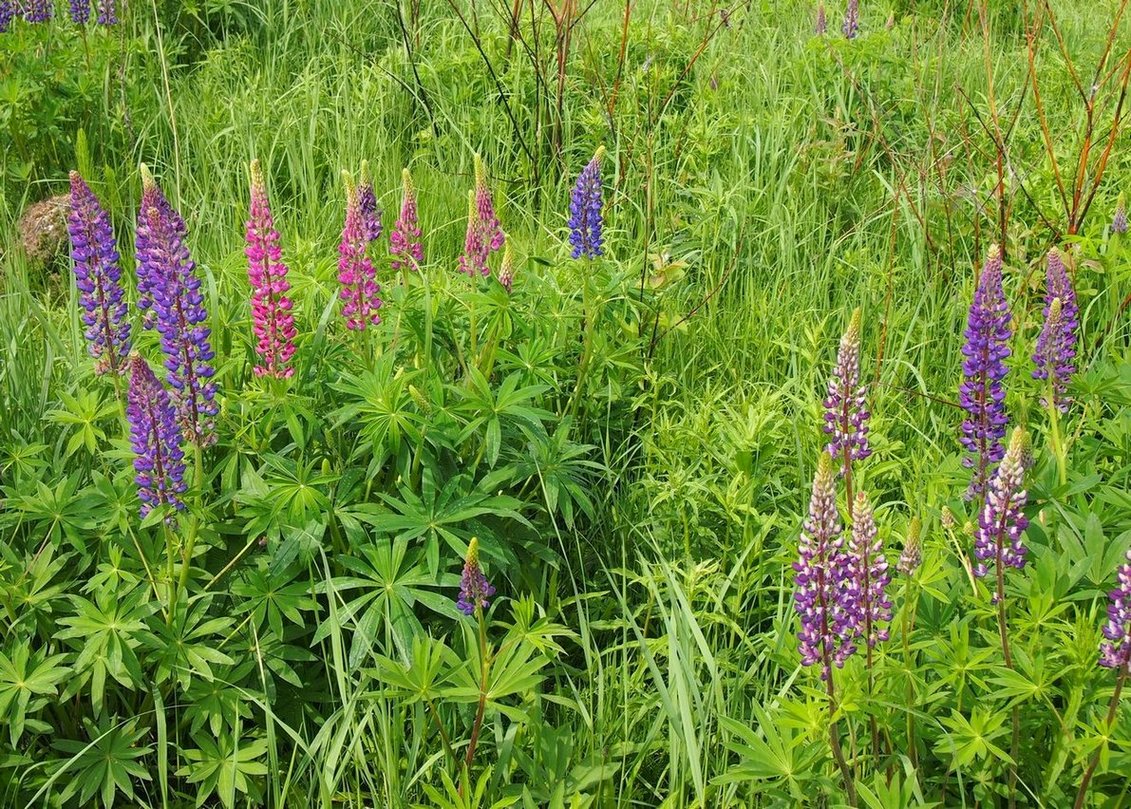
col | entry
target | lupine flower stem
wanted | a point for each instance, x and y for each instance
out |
(1112, 708)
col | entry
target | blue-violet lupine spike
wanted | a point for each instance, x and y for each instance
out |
(107, 12)
(7, 14)
(38, 10)
(982, 393)
(98, 277)
(151, 197)
(1119, 221)
(474, 589)
(869, 578)
(179, 314)
(1115, 652)
(1055, 354)
(585, 205)
(846, 412)
(821, 598)
(155, 438)
(1002, 522)
(851, 24)
(367, 201)
(80, 11)
(822, 20)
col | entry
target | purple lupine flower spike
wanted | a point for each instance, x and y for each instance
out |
(982, 394)
(7, 14)
(179, 315)
(356, 273)
(1055, 352)
(156, 439)
(80, 11)
(367, 200)
(822, 20)
(38, 10)
(98, 276)
(405, 245)
(828, 623)
(491, 231)
(1115, 653)
(144, 246)
(473, 261)
(474, 589)
(869, 578)
(585, 204)
(851, 24)
(1002, 524)
(506, 271)
(1119, 221)
(271, 316)
(846, 411)
(107, 12)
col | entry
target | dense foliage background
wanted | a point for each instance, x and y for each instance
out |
(631, 439)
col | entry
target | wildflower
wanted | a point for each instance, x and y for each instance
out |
(1116, 652)
(506, 271)
(846, 413)
(98, 276)
(38, 10)
(585, 210)
(474, 589)
(851, 24)
(827, 623)
(7, 14)
(1056, 345)
(367, 200)
(167, 268)
(1119, 221)
(404, 242)
(982, 394)
(107, 12)
(822, 21)
(491, 232)
(355, 271)
(868, 577)
(912, 555)
(1001, 525)
(152, 197)
(155, 438)
(80, 11)
(473, 262)
(947, 519)
(271, 316)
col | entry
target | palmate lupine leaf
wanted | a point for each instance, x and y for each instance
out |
(106, 765)
(26, 677)
(224, 766)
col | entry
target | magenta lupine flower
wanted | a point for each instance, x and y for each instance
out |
(868, 576)
(367, 200)
(1002, 524)
(474, 589)
(1055, 352)
(155, 438)
(270, 307)
(851, 24)
(179, 314)
(404, 241)
(491, 231)
(1119, 221)
(846, 411)
(107, 12)
(356, 273)
(506, 271)
(473, 261)
(586, 201)
(1116, 652)
(821, 598)
(982, 394)
(98, 276)
(80, 11)
(38, 10)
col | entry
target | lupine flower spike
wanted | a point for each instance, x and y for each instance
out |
(585, 210)
(7, 14)
(982, 394)
(473, 262)
(98, 276)
(851, 25)
(152, 197)
(506, 271)
(1119, 221)
(1055, 353)
(355, 270)
(1115, 653)
(155, 438)
(474, 589)
(80, 11)
(271, 316)
(404, 242)
(912, 555)
(822, 20)
(38, 10)
(492, 232)
(846, 412)
(869, 577)
(1002, 524)
(367, 199)
(827, 619)
(107, 12)
(167, 269)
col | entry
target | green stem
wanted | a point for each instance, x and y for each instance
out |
(586, 346)
(484, 669)
(1060, 451)
(1111, 709)
(194, 522)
